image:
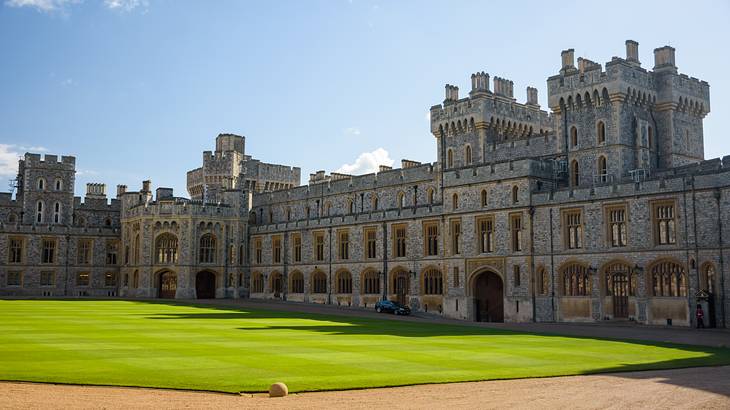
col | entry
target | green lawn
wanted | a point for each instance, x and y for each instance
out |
(231, 350)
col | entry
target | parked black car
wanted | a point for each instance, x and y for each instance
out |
(392, 307)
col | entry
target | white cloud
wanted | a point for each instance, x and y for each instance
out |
(428, 116)
(41, 5)
(9, 157)
(353, 131)
(125, 5)
(86, 172)
(367, 162)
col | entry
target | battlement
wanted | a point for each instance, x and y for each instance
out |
(95, 190)
(49, 161)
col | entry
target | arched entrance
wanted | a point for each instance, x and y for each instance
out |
(205, 285)
(488, 298)
(400, 287)
(276, 284)
(168, 285)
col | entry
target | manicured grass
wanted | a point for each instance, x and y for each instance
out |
(230, 350)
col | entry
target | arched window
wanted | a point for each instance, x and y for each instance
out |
(135, 279)
(166, 249)
(350, 206)
(429, 194)
(344, 282)
(59, 185)
(401, 200)
(484, 197)
(651, 136)
(327, 207)
(257, 283)
(135, 249)
(707, 279)
(41, 184)
(207, 248)
(288, 213)
(601, 132)
(374, 201)
(39, 212)
(319, 282)
(619, 280)
(574, 173)
(602, 168)
(433, 282)
(668, 279)
(57, 213)
(543, 281)
(515, 194)
(467, 156)
(297, 282)
(455, 201)
(573, 137)
(450, 159)
(576, 280)
(370, 283)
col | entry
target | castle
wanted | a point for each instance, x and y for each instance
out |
(603, 208)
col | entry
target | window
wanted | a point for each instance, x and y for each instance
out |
(15, 250)
(297, 282)
(516, 275)
(344, 245)
(516, 228)
(82, 279)
(573, 137)
(41, 184)
(370, 283)
(374, 201)
(350, 207)
(112, 248)
(319, 246)
(327, 208)
(573, 229)
(110, 279)
(455, 236)
(401, 200)
(668, 280)
(602, 169)
(707, 279)
(48, 278)
(83, 255)
(48, 254)
(39, 212)
(344, 282)
(455, 201)
(166, 249)
(288, 214)
(665, 224)
(59, 185)
(484, 198)
(319, 282)
(485, 233)
(400, 241)
(430, 196)
(450, 159)
(135, 280)
(515, 194)
(543, 281)
(617, 274)
(433, 282)
(136, 249)
(240, 255)
(576, 281)
(574, 173)
(601, 132)
(276, 249)
(457, 277)
(14, 278)
(616, 226)
(431, 232)
(297, 240)
(207, 248)
(258, 250)
(257, 284)
(467, 155)
(57, 213)
(370, 243)
(651, 136)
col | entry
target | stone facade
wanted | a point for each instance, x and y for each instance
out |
(602, 209)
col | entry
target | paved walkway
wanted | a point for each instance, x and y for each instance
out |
(608, 330)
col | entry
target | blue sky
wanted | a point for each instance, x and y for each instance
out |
(137, 89)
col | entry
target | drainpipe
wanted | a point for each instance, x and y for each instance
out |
(385, 261)
(65, 279)
(686, 249)
(531, 212)
(718, 197)
(552, 267)
(329, 277)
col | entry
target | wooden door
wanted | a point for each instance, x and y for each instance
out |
(620, 295)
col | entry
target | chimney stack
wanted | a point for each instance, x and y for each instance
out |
(568, 58)
(664, 58)
(632, 52)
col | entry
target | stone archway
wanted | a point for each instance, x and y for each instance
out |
(167, 285)
(488, 294)
(205, 285)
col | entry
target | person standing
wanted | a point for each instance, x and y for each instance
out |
(700, 317)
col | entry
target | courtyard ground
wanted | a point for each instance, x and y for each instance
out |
(245, 348)
(694, 388)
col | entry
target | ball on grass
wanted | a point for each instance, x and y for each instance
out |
(278, 390)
